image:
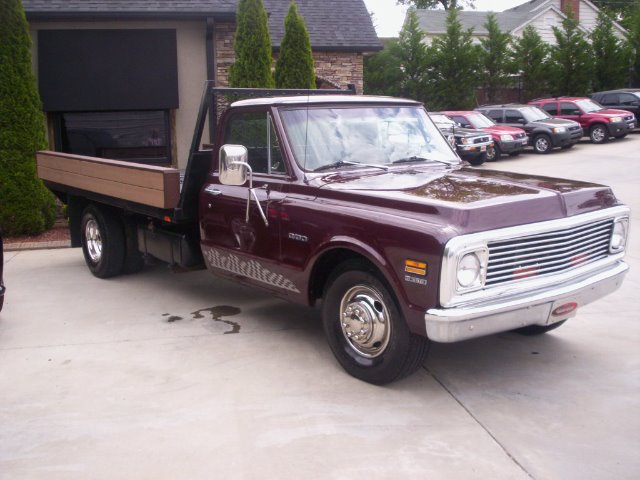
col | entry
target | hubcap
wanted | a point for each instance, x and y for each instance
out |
(597, 135)
(541, 144)
(93, 240)
(365, 321)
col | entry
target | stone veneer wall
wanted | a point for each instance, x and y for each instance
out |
(339, 68)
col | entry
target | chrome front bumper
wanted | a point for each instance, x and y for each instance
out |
(533, 308)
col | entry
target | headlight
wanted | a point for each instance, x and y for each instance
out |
(506, 138)
(615, 119)
(619, 235)
(559, 130)
(467, 141)
(471, 271)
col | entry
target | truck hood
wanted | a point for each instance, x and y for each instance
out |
(465, 198)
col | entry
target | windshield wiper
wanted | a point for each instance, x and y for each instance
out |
(415, 159)
(344, 163)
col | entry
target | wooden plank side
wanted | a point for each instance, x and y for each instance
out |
(114, 173)
(144, 184)
(142, 195)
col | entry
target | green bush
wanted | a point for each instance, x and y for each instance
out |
(295, 67)
(252, 46)
(26, 206)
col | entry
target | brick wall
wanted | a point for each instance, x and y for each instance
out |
(336, 68)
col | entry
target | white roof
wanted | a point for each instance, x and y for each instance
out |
(320, 99)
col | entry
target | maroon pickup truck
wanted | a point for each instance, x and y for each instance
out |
(359, 204)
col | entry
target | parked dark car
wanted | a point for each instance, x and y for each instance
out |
(470, 144)
(545, 133)
(508, 140)
(2, 289)
(597, 122)
(624, 99)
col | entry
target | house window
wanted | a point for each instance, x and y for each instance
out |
(137, 136)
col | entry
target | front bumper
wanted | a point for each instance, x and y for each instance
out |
(511, 146)
(532, 308)
(618, 128)
(473, 150)
(561, 139)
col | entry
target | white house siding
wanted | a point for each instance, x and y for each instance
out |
(192, 64)
(544, 25)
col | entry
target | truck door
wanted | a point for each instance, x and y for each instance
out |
(242, 247)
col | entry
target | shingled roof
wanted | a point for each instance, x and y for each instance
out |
(332, 24)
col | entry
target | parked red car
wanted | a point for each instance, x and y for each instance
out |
(510, 140)
(597, 122)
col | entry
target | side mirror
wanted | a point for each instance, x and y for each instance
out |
(522, 121)
(233, 165)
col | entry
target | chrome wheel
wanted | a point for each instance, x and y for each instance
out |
(93, 240)
(542, 144)
(598, 135)
(365, 321)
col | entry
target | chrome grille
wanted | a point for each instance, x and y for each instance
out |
(547, 253)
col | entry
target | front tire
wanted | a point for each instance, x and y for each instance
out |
(493, 153)
(365, 329)
(103, 243)
(479, 160)
(542, 144)
(598, 134)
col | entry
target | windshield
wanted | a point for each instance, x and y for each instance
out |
(478, 120)
(534, 114)
(442, 119)
(588, 106)
(332, 136)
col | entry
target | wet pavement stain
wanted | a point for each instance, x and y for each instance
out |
(172, 318)
(217, 313)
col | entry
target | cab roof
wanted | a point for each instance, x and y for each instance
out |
(324, 99)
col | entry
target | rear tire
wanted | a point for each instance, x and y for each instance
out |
(533, 330)
(364, 327)
(103, 242)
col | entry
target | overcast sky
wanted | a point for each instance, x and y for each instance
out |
(388, 16)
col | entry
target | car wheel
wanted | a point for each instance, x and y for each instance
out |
(598, 134)
(533, 330)
(542, 144)
(364, 327)
(493, 153)
(479, 160)
(103, 243)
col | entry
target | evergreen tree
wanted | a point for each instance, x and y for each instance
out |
(611, 58)
(412, 55)
(295, 67)
(453, 67)
(26, 206)
(252, 46)
(633, 45)
(571, 60)
(530, 57)
(382, 72)
(494, 60)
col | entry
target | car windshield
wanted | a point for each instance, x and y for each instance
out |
(442, 119)
(478, 120)
(534, 114)
(337, 137)
(588, 106)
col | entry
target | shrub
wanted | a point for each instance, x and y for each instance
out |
(26, 206)
(295, 67)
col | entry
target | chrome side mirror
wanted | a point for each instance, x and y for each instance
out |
(233, 166)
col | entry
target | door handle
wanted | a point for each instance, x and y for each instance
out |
(212, 190)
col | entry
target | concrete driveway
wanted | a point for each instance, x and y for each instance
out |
(186, 376)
